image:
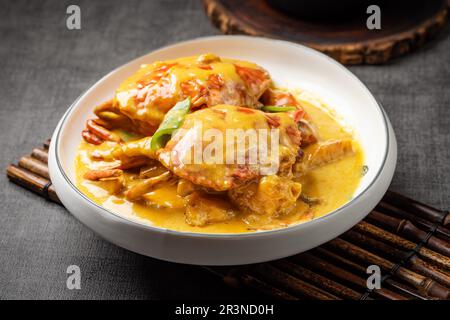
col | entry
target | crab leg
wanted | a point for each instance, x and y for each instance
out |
(96, 175)
(136, 148)
(133, 163)
(152, 171)
(103, 123)
(110, 113)
(101, 132)
(127, 151)
(323, 154)
(97, 129)
(146, 186)
(106, 106)
(90, 137)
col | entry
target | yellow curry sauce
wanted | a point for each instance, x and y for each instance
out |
(334, 184)
(147, 95)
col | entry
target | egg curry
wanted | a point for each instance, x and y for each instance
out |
(209, 144)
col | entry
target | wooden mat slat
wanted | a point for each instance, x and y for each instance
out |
(408, 240)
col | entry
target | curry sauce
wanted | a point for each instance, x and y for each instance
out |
(324, 188)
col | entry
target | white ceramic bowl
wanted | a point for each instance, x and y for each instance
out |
(289, 64)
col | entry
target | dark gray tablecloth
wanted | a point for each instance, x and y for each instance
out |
(44, 67)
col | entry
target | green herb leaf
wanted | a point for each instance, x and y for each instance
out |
(278, 108)
(172, 121)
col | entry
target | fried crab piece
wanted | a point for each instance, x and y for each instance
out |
(309, 132)
(97, 131)
(133, 154)
(151, 176)
(203, 209)
(109, 179)
(96, 175)
(214, 170)
(321, 154)
(271, 195)
(232, 155)
(141, 102)
(206, 79)
(147, 185)
(275, 97)
(112, 117)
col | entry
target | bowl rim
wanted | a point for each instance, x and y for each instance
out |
(271, 232)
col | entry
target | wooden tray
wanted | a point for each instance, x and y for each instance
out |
(403, 28)
(408, 240)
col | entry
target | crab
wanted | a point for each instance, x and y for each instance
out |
(219, 175)
(222, 170)
(271, 195)
(141, 102)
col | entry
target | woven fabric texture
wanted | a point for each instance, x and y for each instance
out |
(44, 67)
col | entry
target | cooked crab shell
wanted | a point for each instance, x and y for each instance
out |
(207, 80)
(225, 146)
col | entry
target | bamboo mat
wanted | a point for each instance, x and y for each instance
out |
(408, 240)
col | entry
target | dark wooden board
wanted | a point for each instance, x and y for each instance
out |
(404, 28)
